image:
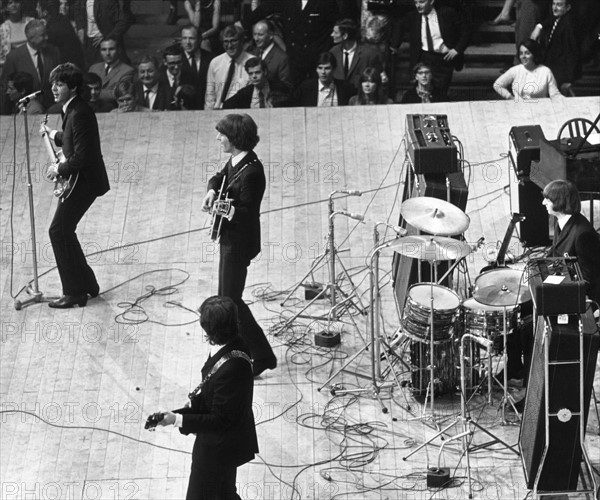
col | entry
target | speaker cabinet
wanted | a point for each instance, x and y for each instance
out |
(559, 468)
(526, 198)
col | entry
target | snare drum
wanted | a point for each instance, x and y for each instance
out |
(416, 317)
(446, 376)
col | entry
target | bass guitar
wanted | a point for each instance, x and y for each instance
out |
(63, 187)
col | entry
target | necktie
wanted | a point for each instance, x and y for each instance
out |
(106, 70)
(228, 80)
(260, 54)
(147, 98)
(346, 63)
(552, 31)
(261, 99)
(428, 35)
(40, 65)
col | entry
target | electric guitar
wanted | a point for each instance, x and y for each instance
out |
(219, 210)
(62, 186)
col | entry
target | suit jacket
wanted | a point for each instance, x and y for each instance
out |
(246, 187)
(307, 93)
(108, 15)
(109, 82)
(184, 79)
(411, 96)
(365, 55)
(20, 60)
(80, 142)
(278, 65)
(243, 98)
(454, 29)
(198, 77)
(62, 35)
(562, 53)
(221, 413)
(162, 101)
(579, 239)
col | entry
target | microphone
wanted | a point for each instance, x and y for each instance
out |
(28, 98)
(351, 192)
(352, 215)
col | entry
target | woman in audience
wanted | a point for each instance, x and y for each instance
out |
(126, 97)
(424, 89)
(12, 31)
(371, 89)
(528, 80)
(206, 20)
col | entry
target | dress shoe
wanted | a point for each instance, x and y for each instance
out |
(68, 301)
(94, 291)
(260, 365)
(172, 17)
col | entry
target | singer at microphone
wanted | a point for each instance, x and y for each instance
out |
(19, 89)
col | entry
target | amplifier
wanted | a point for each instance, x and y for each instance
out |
(556, 286)
(430, 144)
(524, 147)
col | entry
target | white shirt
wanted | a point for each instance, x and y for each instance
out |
(527, 85)
(217, 75)
(436, 34)
(351, 52)
(562, 221)
(92, 28)
(327, 95)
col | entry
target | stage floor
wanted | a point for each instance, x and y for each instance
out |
(77, 385)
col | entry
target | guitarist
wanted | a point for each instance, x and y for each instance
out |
(80, 142)
(244, 183)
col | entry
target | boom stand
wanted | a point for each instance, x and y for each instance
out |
(331, 253)
(34, 291)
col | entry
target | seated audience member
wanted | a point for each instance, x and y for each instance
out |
(12, 31)
(170, 72)
(151, 92)
(206, 17)
(424, 89)
(226, 73)
(324, 90)
(277, 61)
(19, 85)
(371, 89)
(559, 39)
(529, 80)
(528, 13)
(111, 69)
(92, 88)
(195, 63)
(352, 56)
(261, 93)
(185, 97)
(126, 95)
(60, 31)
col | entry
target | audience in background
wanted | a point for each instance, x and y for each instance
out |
(12, 31)
(150, 91)
(111, 69)
(92, 91)
(265, 48)
(370, 90)
(424, 89)
(18, 85)
(185, 98)
(60, 31)
(171, 75)
(195, 63)
(126, 95)
(206, 17)
(528, 13)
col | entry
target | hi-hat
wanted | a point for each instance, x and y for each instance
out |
(501, 287)
(432, 248)
(434, 216)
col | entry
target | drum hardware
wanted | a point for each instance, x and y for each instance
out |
(502, 287)
(434, 216)
(329, 256)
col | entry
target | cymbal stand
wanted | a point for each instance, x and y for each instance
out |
(34, 291)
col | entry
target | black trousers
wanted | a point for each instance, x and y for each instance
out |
(210, 483)
(76, 275)
(233, 269)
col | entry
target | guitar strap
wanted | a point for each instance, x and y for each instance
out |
(239, 172)
(222, 360)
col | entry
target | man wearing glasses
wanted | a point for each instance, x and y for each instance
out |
(226, 73)
(171, 75)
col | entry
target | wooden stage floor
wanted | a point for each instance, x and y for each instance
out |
(77, 385)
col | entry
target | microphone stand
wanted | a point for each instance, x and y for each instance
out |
(36, 295)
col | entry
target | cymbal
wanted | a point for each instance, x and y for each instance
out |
(434, 216)
(501, 287)
(432, 248)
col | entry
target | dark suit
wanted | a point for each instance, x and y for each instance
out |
(307, 94)
(109, 82)
(162, 101)
(411, 96)
(579, 239)
(562, 52)
(62, 35)
(278, 65)
(19, 59)
(279, 96)
(184, 79)
(365, 55)
(240, 242)
(221, 416)
(198, 76)
(80, 142)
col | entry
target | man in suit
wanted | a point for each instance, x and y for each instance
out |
(36, 57)
(220, 409)
(152, 93)
(195, 63)
(261, 92)
(80, 142)
(243, 179)
(277, 61)
(324, 90)
(171, 75)
(92, 87)
(112, 69)
(438, 36)
(226, 73)
(558, 37)
(352, 56)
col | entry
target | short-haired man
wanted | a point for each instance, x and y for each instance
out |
(112, 69)
(277, 61)
(92, 88)
(324, 90)
(80, 142)
(195, 62)
(151, 92)
(226, 73)
(19, 85)
(35, 57)
(261, 93)
(171, 75)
